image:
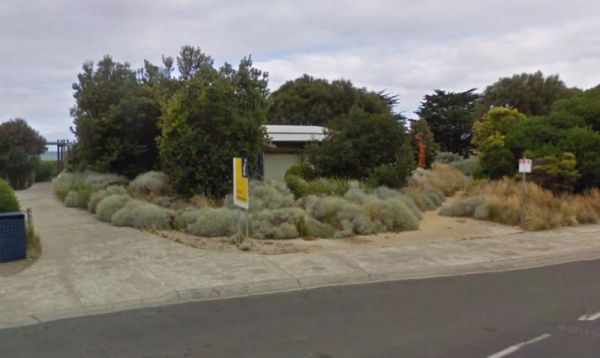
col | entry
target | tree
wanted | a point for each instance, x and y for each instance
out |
(530, 93)
(364, 143)
(556, 173)
(192, 61)
(489, 139)
(215, 116)
(584, 143)
(450, 116)
(310, 101)
(498, 120)
(584, 107)
(20, 146)
(115, 118)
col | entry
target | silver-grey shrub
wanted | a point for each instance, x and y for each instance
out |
(150, 216)
(143, 215)
(151, 182)
(281, 223)
(124, 216)
(97, 196)
(213, 222)
(72, 199)
(464, 207)
(186, 217)
(270, 195)
(110, 205)
(347, 217)
(447, 157)
(466, 166)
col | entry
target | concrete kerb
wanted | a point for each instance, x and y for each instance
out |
(304, 283)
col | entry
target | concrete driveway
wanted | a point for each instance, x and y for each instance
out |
(89, 267)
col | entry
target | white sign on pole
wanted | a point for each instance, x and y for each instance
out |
(525, 165)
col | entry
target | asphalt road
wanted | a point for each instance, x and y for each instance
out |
(545, 312)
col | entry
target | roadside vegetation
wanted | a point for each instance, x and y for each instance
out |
(154, 147)
(500, 201)
(324, 208)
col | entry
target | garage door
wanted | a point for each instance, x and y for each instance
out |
(276, 164)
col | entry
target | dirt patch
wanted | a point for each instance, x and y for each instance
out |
(432, 229)
(34, 251)
(224, 244)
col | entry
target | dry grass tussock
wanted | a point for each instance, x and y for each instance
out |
(499, 201)
(429, 188)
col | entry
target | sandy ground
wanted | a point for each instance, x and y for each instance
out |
(433, 228)
(13, 267)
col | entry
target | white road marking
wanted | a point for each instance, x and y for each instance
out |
(592, 317)
(516, 347)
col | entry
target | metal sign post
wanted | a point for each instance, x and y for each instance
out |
(524, 168)
(241, 193)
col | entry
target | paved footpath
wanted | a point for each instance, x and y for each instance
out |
(88, 267)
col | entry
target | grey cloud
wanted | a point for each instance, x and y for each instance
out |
(406, 47)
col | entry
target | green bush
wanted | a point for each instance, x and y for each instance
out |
(8, 200)
(152, 182)
(108, 206)
(45, 170)
(217, 115)
(322, 186)
(464, 207)
(384, 175)
(303, 170)
(361, 142)
(79, 195)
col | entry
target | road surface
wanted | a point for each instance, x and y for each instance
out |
(551, 311)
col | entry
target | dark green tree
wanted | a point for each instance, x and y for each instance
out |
(584, 143)
(115, 118)
(310, 101)
(20, 146)
(583, 108)
(530, 93)
(364, 143)
(192, 61)
(215, 116)
(450, 116)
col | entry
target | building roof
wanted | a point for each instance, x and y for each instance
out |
(277, 133)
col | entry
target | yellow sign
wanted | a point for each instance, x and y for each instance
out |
(240, 183)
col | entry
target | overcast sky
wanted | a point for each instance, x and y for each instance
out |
(405, 47)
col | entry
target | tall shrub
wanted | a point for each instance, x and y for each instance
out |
(20, 147)
(8, 200)
(216, 116)
(363, 144)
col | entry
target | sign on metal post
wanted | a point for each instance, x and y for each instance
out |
(241, 193)
(240, 183)
(525, 165)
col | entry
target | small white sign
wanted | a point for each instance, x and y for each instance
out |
(525, 165)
